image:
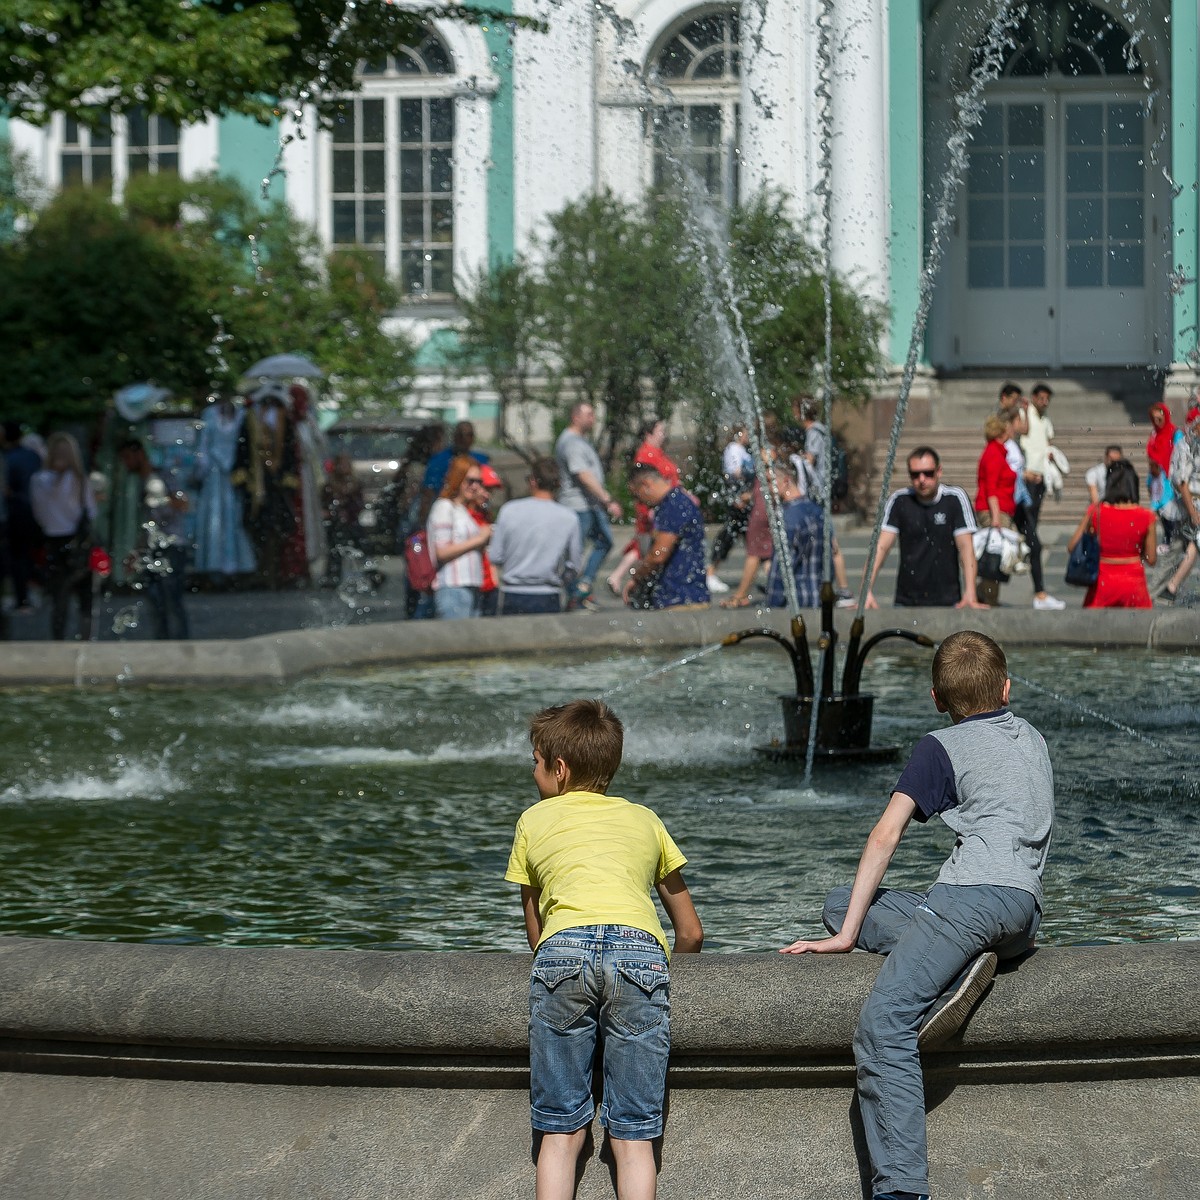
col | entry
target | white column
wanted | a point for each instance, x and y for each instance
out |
(554, 126)
(860, 162)
(777, 100)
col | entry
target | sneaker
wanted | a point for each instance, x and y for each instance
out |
(951, 1010)
(845, 602)
(588, 604)
(1048, 604)
(1166, 595)
(717, 585)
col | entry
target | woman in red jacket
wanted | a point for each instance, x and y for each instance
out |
(995, 499)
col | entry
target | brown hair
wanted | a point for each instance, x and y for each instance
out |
(543, 474)
(969, 672)
(460, 464)
(587, 735)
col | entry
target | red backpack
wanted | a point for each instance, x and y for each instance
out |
(418, 558)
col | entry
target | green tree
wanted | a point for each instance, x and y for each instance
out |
(621, 313)
(502, 313)
(617, 311)
(199, 58)
(778, 276)
(96, 296)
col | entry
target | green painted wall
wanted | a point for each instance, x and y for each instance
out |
(501, 221)
(1185, 168)
(247, 152)
(905, 182)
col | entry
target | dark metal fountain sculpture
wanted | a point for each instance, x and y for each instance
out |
(843, 718)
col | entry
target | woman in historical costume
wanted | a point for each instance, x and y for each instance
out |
(307, 543)
(222, 546)
(265, 473)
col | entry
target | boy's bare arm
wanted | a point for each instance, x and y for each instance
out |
(533, 920)
(677, 900)
(876, 857)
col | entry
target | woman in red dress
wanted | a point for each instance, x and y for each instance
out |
(995, 497)
(1127, 541)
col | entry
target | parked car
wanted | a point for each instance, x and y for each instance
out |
(376, 447)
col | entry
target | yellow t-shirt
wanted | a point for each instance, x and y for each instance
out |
(595, 859)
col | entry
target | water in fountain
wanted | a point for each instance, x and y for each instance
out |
(318, 813)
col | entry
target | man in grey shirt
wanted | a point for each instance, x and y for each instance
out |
(584, 492)
(536, 545)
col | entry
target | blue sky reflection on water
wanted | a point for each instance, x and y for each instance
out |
(376, 810)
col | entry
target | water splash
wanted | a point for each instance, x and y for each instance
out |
(1095, 714)
(733, 360)
(674, 665)
(824, 191)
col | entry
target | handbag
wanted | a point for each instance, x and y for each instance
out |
(989, 561)
(1083, 567)
(418, 560)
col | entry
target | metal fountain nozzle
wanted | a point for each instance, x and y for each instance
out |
(798, 653)
(856, 661)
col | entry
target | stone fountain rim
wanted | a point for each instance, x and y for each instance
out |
(280, 658)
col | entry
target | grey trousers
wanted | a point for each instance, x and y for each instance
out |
(928, 939)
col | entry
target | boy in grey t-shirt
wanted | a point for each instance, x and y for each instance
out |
(988, 777)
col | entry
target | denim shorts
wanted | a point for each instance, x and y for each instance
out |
(607, 982)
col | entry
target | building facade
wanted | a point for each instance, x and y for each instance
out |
(1071, 242)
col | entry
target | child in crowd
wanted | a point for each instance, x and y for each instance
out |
(586, 862)
(989, 778)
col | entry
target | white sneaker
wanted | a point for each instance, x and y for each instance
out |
(717, 585)
(1048, 604)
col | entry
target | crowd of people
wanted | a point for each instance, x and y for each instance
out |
(249, 500)
(261, 501)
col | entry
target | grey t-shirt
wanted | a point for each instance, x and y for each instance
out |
(574, 454)
(816, 445)
(533, 543)
(989, 779)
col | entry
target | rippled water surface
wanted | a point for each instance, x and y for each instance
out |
(376, 810)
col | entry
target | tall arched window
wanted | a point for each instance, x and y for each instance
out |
(1067, 37)
(392, 168)
(699, 67)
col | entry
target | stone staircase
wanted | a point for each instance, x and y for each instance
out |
(1089, 410)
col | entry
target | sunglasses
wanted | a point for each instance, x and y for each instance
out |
(474, 479)
(923, 474)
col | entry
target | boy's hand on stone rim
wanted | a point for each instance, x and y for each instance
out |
(831, 945)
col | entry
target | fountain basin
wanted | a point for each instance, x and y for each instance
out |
(218, 1074)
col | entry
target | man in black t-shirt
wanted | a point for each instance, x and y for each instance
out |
(933, 525)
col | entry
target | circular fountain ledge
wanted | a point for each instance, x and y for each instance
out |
(281, 657)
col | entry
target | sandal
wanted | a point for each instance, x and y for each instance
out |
(737, 602)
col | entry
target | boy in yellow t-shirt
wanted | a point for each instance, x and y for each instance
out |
(586, 862)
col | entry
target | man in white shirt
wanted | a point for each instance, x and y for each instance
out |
(1097, 476)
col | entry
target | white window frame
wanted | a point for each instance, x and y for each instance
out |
(57, 146)
(685, 93)
(309, 156)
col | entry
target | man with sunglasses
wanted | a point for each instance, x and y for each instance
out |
(934, 525)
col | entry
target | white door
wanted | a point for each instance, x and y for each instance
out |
(1052, 266)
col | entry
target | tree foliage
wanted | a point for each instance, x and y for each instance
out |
(620, 312)
(96, 296)
(188, 59)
